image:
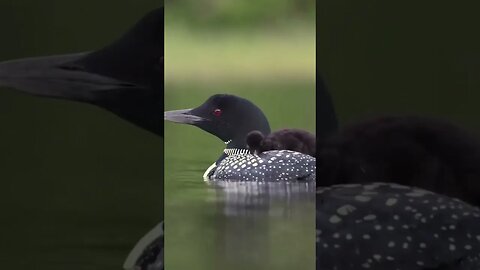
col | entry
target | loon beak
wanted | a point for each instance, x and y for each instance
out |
(56, 76)
(183, 117)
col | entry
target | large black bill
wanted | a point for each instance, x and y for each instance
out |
(182, 116)
(55, 76)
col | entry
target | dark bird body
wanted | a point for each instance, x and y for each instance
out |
(389, 226)
(413, 151)
(424, 217)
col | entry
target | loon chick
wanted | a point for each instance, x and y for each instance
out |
(285, 139)
(231, 118)
(389, 226)
(412, 151)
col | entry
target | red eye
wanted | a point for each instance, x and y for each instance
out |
(217, 112)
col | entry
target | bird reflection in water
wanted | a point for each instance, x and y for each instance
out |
(254, 213)
(262, 198)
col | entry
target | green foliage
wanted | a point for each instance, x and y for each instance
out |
(243, 14)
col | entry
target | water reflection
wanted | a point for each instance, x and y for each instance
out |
(261, 198)
(256, 222)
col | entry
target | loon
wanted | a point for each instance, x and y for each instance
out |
(125, 77)
(231, 118)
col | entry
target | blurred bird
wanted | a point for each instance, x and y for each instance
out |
(125, 77)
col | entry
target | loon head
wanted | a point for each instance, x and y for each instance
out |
(228, 117)
(136, 57)
(125, 77)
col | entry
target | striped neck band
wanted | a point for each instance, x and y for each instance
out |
(236, 151)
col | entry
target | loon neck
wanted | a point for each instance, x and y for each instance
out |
(235, 151)
(232, 149)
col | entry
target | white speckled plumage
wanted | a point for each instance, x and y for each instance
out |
(276, 165)
(395, 227)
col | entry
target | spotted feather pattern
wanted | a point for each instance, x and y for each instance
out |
(148, 252)
(389, 226)
(276, 165)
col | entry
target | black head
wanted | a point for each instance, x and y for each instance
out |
(125, 77)
(254, 140)
(137, 60)
(228, 117)
(136, 57)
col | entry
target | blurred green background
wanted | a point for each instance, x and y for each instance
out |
(404, 57)
(240, 41)
(260, 50)
(78, 185)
